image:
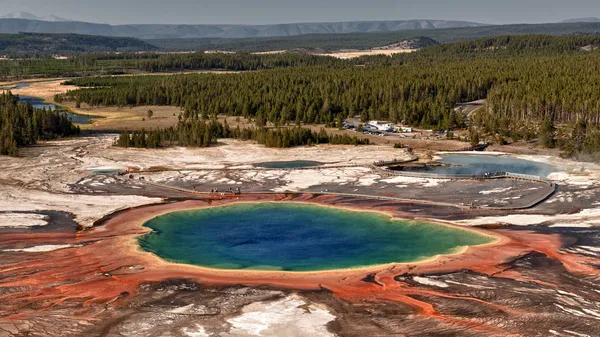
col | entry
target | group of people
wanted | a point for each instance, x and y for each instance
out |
(493, 174)
(231, 191)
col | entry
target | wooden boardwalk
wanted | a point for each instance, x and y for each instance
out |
(360, 195)
(378, 167)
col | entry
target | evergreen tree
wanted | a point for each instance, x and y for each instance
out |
(547, 130)
(22, 125)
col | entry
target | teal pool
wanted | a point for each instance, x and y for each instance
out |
(289, 164)
(480, 164)
(467, 164)
(297, 237)
(106, 170)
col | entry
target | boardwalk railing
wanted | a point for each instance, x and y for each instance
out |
(495, 175)
(491, 175)
(531, 204)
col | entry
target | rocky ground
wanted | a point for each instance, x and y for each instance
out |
(48, 194)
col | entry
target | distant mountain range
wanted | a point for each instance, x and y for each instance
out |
(29, 16)
(333, 42)
(18, 22)
(27, 44)
(592, 19)
(22, 22)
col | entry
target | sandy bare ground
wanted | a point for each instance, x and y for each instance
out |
(354, 54)
(10, 85)
(342, 54)
(135, 118)
(44, 89)
(112, 118)
(270, 52)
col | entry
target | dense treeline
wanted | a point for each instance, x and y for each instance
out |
(313, 95)
(40, 45)
(197, 133)
(208, 61)
(520, 91)
(115, 64)
(21, 124)
(50, 67)
(583, 141)
(515, 46)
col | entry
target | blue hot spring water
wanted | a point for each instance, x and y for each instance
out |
(480, 164)
(288, 164)
(297, 237)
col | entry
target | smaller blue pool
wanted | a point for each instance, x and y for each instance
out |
(106, 170)
(481, 164)
(289, 164)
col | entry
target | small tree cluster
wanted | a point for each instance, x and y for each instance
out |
(21, 125)
(197, 133)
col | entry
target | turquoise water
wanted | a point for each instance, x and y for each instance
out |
(295, 237)
(38, 103)
(481, 164)
(106, 171)
(473, 164)
(289, 164)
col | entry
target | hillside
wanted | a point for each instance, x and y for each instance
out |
(591, 19)
(331, 42)
(113, 63)
(165, 31)
(511, 46)
(29, 16)
(26, 44)
(416, 43)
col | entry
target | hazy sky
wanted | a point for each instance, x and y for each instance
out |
(280, 11)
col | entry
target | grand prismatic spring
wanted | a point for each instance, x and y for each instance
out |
(294, 237)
